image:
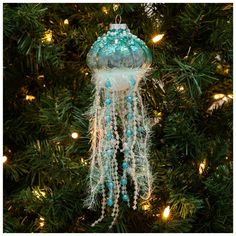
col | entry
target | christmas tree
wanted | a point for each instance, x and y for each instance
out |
(188, 96)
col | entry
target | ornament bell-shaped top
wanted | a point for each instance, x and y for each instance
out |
(119, 48)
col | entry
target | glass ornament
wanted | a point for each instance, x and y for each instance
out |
(118, 61)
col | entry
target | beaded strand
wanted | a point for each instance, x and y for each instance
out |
(115, 210)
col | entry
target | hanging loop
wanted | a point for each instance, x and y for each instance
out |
(118, 19)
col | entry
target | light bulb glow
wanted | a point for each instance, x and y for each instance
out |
(166, 212)
(226, 71)
(40, 77)
(116, 7)
(104, 9)
(39, 193)
(4, 159)
(180, 88)
(29, 98)
(41, 224)
(66, 22)
(218, 96)
(146, 206)
(157, 38)
(47, 36)
(202, 167)
(75, 135)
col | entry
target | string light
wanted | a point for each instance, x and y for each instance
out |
(157, 38)
(218, 96)
(4, 159)
(180, 88)
(202, 166)
(30, 98)
(47, 36)
(75, 135)
(41, 224)
(116, 6)
(83, 161)
(226, 71)
(146, 206)
(40, 77)
(38, 193)
(166, 213)
(66, 22)
(220, 100)
(104, 9)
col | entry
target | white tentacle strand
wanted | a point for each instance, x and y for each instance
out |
(118, 128)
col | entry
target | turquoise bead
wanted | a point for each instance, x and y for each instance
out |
(130, 116)
(125, 198)
(127, 152)
(125, 165)
(108, 101)
(110, 185)
(109, 202)
(109, 135)
(108, 119)
(110, 152)
(129, 132)
(140, 129)
(132, 82)
(123, 181)
(108, 84)
(129, 98)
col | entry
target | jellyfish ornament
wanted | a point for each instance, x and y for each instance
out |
(118, 125)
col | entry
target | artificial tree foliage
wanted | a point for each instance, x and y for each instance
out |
(47, 92)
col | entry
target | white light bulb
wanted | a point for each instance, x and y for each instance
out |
(4, 159)
(166, 212)
(157, 38)
(202, 166)
(218, 96)
(41, 224)
(29, 97)
(180, 88)
(75, 135)
(66, 22)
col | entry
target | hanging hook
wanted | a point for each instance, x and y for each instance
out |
(118, 19)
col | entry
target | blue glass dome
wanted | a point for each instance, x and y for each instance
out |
(118, 48)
